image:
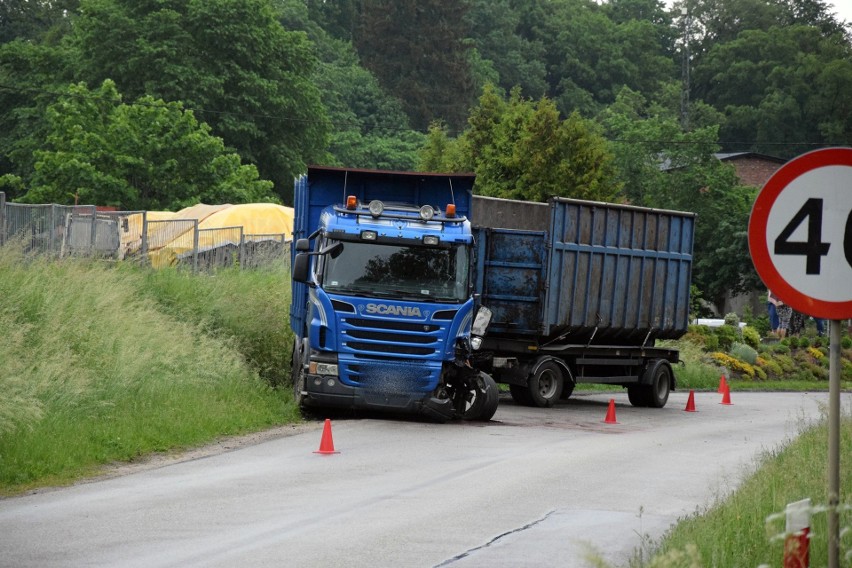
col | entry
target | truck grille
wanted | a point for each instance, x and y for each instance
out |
(390, 356)
(406, 339)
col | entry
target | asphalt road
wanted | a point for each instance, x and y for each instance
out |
(534, 487)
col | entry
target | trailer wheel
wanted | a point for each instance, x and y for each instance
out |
(567, 390)
(659, 386)
(521, 395)
(545, 384)
(482, 399)
(638, 395)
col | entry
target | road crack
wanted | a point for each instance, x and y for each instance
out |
(470, 551)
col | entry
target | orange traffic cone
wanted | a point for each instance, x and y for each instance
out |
(610, 413)
(326, 443)
(690, 403)
(723, 384)
(726, 396)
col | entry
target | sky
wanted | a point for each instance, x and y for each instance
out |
(843, 9)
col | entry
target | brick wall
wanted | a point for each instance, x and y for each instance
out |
(754, 171)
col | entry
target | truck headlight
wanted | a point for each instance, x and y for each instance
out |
(320, 368)
(376, 208)
(476, 343)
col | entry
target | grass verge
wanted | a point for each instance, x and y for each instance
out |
(746, 529)
(95, 372)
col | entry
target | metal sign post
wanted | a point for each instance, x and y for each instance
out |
(800, 238)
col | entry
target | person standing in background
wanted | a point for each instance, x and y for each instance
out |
(785, 312)
(771, 307)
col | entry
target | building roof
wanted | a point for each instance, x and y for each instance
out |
(725, 156)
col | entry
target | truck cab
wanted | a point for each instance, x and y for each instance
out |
(383, 302)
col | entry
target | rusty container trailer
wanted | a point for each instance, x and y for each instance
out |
(586, 286)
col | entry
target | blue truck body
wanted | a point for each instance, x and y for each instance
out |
(577, 291)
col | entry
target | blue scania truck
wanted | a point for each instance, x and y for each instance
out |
(410, 294)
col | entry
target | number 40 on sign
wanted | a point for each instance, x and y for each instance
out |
(800, 233)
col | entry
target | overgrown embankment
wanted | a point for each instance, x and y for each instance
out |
(100, 363)
(747, 528)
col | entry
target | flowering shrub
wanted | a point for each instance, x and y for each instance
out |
(751, 337)
(815, 353)
(735, 365)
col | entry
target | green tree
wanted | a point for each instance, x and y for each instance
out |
(146, 155)
(716, 22)
(370, 127)
(337, 18)
(35, 19)
(664, 167)
(521, 149)
(418, 52)
(517, 61)
(592, 50)
(782, 90)
(230, 61)
(30, 73)
(440, 153)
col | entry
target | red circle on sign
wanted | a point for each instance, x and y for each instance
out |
(757, 229)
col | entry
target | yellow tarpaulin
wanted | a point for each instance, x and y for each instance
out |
(167, 242)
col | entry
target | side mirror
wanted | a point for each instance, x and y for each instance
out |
(301, 267)
(481, 321)
(303, 245)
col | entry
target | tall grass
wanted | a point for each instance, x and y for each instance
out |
(92, 371)
(694, 373)
(746, 529)
(248, 308)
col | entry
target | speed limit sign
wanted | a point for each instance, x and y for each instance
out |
(800, 233)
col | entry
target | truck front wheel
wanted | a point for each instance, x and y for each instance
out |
(297, 375)
(545, 384)
(482, 399)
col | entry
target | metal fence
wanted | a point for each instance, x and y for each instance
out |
(82, 230)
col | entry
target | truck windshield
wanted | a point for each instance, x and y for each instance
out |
(402, 272)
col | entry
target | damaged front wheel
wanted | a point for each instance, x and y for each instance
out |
(481, 398)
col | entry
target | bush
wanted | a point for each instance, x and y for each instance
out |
(846, 342)
(732, 319)
(760, 323)
(744, 353)
(816, 353)
(846, 370)
(727, 336)
(695, 339)
(771, 367)
(711, 343)
(791, 342)
(781, 348)
(751, 337)
(698, 329)
(816, 371)
(733, 365)
(803, 342)
(786, 363)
